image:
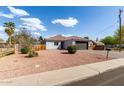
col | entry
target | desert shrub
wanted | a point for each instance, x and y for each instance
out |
(72, 49)
(25, 50)
(32, 53)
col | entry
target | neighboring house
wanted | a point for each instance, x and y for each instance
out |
(61, 42)
(2, 43)
(97, 45)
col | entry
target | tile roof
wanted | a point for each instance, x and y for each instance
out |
(63, 38)
(56, 38)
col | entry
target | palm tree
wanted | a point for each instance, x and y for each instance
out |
(9, 29)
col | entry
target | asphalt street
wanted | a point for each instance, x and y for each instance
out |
(110, 78)
(112, 54)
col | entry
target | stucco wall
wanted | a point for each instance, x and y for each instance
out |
(50, 45)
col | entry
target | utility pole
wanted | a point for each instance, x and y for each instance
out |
(120, 32)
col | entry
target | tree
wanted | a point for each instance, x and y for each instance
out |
(86, 37)
(9, 29)
(12, 40)
(24, 38)
(117, 35)
(109, 40)
(41, 40)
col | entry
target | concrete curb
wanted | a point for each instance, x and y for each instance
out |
(66, 75)
(100, 67)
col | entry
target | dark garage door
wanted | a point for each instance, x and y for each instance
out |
(82, 45)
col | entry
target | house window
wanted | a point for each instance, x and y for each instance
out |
(56, 43)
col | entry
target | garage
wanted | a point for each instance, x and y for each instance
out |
(82, 45)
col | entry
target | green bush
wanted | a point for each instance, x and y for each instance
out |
(72, 49)
(25, 50)
(32, 53)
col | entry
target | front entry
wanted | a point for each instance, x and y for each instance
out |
(62, 45)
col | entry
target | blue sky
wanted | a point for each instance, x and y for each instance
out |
(48, 21)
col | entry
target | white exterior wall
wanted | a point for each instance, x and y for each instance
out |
(68, 43)
(50, 45)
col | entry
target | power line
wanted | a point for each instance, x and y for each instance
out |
(105, 29)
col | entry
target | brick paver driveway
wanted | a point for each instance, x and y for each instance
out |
(18, 64)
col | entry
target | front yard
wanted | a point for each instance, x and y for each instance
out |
(18, 64)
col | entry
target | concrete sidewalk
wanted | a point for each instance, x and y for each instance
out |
(67, 75)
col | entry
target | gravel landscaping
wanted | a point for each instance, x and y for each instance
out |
(18, 64)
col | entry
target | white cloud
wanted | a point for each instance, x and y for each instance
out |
(33, 24)
(17, 30)
(2, 28)
(7, 15)
(14, 12)
(2, 32)
(3, 35)
(18, 12)
(70, 22)
(37, 33)
(67, 35)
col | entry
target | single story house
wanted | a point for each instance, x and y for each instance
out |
(62, 42)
